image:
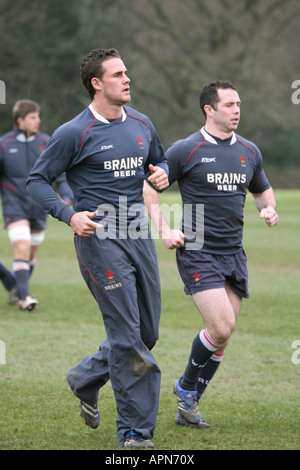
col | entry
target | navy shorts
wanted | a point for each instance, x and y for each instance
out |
(201, 271)
(35, 224)
(15, 209)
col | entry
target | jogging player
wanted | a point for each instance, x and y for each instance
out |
(214, 168)
(24, 220)
(106, 152)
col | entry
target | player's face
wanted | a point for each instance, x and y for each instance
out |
(226, 116)
(115, 82)
(30, 123)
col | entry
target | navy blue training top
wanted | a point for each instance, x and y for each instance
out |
(217, 174)
(18, 154)
(103, 160)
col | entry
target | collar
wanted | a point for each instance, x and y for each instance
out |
(21, 136)
(212, 140)
(102, 118)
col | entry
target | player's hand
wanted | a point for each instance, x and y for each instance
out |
(82, 224)
(158, 177)
(270, 215)
(173, 239)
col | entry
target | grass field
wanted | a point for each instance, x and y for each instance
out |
(253, 402)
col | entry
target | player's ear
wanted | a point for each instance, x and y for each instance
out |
(97, 84)
(208, 109)
(20, 123)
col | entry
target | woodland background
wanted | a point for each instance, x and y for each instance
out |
(171, 48)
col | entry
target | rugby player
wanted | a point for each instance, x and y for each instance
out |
(214, 168)
(106, 152)
(24, 220)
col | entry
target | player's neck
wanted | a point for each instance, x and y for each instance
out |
(27, 132)
(107, 110)
(215, 132)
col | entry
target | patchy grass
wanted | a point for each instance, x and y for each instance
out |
(253, 402)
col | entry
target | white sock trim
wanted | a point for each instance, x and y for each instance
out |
(21, 265)
(207, 341)
(217, 357)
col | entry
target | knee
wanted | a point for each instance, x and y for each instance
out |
(222, 331)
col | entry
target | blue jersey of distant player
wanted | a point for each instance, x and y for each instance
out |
(103, 160)
(18, 154)
(216, 173)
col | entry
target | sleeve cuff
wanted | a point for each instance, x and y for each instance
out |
(66, 214)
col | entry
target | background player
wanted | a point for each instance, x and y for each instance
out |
(24, 220)
(105, 152)
(214, 167)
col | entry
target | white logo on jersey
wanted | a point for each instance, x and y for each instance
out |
(107, 147)
(13, 150)
(208, 160)
(124, 167)
(227, 181)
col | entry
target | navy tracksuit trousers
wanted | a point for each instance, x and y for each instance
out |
(124, 279)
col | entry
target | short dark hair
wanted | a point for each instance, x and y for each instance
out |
(23, 107)
(209, 93)
(92, 67)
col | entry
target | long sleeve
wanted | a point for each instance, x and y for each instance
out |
(50, 168)
(63, 189)
(42, 192)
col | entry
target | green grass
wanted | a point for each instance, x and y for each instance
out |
(253, 402)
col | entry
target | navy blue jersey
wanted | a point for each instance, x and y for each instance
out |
(103, 160)
(18, 154)
(217, 174)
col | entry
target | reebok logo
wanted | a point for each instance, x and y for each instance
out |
(107, 147)
(208, 160)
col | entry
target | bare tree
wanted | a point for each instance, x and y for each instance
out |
(179, 46)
